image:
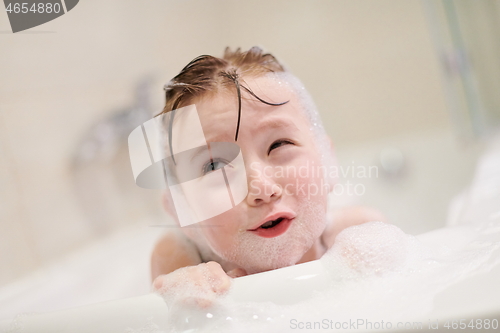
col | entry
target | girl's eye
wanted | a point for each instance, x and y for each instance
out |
(279, 143)
(213, 165)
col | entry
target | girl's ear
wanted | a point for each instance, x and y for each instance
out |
(168, 203)
(331, 163)
(329, 140)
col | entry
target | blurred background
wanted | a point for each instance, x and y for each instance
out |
(407, 86)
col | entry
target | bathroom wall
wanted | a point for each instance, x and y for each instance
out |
(370, 66)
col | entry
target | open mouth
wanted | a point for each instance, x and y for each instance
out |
(271, 224)
(273, 228)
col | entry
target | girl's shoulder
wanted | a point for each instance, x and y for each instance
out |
(348, 216)
(172, 251)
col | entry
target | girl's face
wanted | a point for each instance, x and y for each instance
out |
(284, 212)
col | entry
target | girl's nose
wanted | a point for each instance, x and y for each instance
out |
(262, 187)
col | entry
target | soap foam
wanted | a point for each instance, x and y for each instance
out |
(376, 270)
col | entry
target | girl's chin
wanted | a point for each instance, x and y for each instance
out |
(258, 254)
(253, 266)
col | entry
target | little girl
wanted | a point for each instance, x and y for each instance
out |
(249, 99)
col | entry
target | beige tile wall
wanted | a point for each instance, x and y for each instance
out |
(369, 65)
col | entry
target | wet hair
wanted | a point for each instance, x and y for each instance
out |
(208, 75)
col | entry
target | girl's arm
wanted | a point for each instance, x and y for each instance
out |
(171, 252)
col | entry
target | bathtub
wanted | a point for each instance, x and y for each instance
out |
(116, 297)
(476, 297)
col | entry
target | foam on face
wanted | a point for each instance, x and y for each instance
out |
(257, 254)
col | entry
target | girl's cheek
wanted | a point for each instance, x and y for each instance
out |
(223, 228)
(308, 181)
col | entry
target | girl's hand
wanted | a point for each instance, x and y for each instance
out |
(195, 285)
